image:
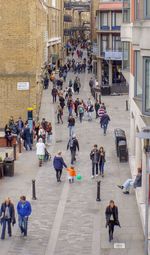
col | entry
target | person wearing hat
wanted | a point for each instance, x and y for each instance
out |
(73, 145)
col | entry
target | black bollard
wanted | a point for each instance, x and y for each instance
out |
(14, 147)
(98, 191)
(33, 190)
(126, 105)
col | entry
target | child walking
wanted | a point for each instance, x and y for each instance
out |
(71, 174)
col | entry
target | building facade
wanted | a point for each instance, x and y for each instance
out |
(135, 34)
(24, 49)
(108, 25)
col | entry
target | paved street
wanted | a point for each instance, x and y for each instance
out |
(66, 218)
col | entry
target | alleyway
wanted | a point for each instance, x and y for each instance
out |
(66, 219)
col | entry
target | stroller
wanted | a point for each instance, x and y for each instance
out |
(47, 156)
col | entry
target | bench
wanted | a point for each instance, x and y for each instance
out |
(3, 141)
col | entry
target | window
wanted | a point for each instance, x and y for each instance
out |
(126, 55)
(146, 85)
(126, 11)
(138, 74)
(116, 19)
(139, 10)
(116, 43)
(104, 19)
(104, 43)
(147, 8)
(53, 3)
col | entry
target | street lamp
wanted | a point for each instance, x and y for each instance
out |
(145, 135)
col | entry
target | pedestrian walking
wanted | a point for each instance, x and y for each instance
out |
(58, 164)
(104, 122)
(94, 156)
(73, 145)
(54, 94)
(71, 174)
(80, 112)
(24, 211)
(27, 138)
(111, 215)
(40, 151)
(59, 114)
(71, 125)
(97, 107)
(7, 217)
(49, 132)
(102, 161)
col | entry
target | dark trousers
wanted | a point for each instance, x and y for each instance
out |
(101, 167)
(54, 98)
(59, 117)
(58, 174)
(80, 117)
(94, 166)
(111, 229)
(73, 155)
(6, 222)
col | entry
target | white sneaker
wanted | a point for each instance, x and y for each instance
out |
(92, 176)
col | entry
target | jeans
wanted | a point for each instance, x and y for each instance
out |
(54, 98)
(94, 165)
(111, 230)
(101, 167)
(73, 155)
(23, 224)
(128, 184)
(71, 130)
(4, 223)
(105, 127)
(81, 116)
(27, 143)
(70, 110)
(58, 174)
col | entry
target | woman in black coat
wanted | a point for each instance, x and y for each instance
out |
(111, 214)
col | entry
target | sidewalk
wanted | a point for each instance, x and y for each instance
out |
(66, 219)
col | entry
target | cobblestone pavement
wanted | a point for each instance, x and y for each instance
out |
(66, 219)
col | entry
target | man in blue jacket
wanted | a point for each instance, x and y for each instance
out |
(58, 164)
(24, 210)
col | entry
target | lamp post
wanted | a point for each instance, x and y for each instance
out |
(145, 135)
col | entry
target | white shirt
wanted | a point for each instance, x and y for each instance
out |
(40, 148)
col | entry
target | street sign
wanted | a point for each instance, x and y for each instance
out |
(119, 246)
(23, 86)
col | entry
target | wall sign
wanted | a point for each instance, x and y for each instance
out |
(23, 86)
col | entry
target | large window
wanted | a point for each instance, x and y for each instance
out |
(147, 8)
(116, 19)
(104, 19)
(138, 74)
(104, 43)
(126, 55)
(146, 85)
(126, 11)
(116, 43)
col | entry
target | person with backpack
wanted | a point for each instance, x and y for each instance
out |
(73, 145)
(80, 112)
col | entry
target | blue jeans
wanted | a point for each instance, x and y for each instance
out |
(128, 184)
(105, 127)
(71, 130)
(101, 167)
(23, 224)
(5, 222)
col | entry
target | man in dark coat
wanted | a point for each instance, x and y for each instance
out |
(94, 156)
(104, 122)
(27, 138)
(58, 164)
(73, 145)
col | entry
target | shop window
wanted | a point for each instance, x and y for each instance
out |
(138, 74)
(146, 99)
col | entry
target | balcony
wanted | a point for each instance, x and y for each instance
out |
(116, 28)
(105, 28)
(67, 18)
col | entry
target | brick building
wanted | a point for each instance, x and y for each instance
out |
(26, 37)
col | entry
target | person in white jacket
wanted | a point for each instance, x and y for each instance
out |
(40, 151)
